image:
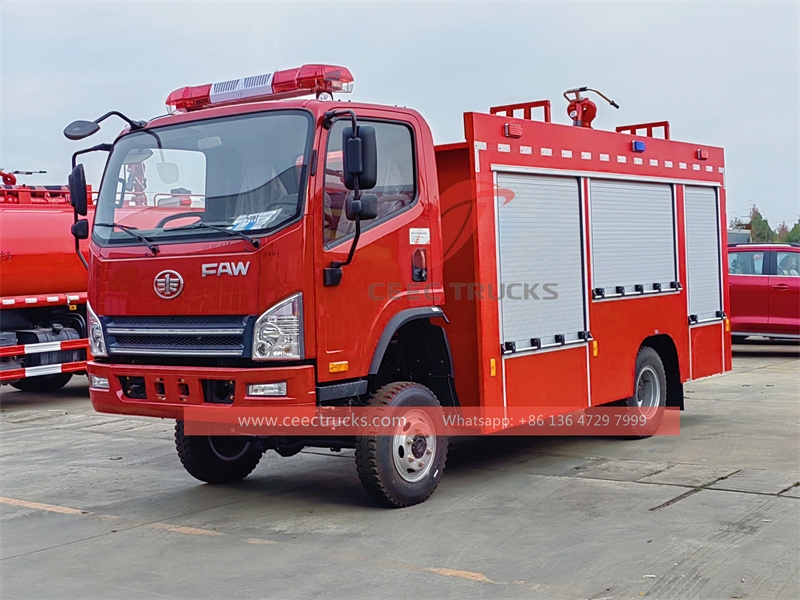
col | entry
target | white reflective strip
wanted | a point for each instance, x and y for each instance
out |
(709, 169)
(622, 159)
(52, 298)
(525, 150)
(478, 147)
(604, 157)
(668, 164)
(72, 297)
(8, 302)
(638, 161)
(681, 165)
(31, 300)
(653, 162)
(566, 154)
(695, 167)
(586, 155)
(547, 152)
(42, 370)
(504, 147)
(43, 347)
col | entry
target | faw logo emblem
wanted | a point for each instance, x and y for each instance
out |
(168, 284)
(225, 268)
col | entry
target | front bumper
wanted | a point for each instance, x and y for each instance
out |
(169, 390)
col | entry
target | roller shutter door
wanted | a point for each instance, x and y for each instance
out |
(703, 253)
(540, 251)
(633, 236)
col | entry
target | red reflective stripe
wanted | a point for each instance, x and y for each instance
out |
(12, 350)
(12, 374)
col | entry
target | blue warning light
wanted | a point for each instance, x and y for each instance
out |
(638, 146)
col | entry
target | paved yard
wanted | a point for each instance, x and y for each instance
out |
(96, 506)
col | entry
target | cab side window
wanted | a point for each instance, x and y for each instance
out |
(788, 264)
(745, 263)
(396, 184)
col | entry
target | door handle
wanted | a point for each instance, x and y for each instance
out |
(781, 286)
(419, 265)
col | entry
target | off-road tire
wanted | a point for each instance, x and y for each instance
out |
(42, 383)
(202, 456)
(375, 458)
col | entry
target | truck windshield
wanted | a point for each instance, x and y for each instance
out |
(235, 174)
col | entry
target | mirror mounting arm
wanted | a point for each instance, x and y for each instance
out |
(97, 148)
(134, 124)
(332, 275)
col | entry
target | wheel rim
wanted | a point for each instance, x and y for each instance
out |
(229, 448)
(414, 447)
(648, 389)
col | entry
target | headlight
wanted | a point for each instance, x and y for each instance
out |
(97, 343)
(279, 331)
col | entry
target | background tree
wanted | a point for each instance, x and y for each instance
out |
(759, 227)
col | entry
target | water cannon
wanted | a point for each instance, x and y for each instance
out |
(581, 110)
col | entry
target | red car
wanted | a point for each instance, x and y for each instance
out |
(764, 282)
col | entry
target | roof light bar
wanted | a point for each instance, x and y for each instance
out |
(289, 83)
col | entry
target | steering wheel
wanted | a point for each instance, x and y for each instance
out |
(182, 215)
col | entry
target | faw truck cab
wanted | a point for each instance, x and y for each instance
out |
(257, 248)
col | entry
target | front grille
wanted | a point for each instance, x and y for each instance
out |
(180, 321)
(179, 341)
(223, 336)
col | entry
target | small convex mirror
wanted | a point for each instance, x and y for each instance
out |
(80, 229)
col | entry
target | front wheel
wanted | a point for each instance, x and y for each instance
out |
(217, 459)
(42, 383)
(649, 392)
(405, 468)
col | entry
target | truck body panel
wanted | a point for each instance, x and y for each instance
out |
(43, 286)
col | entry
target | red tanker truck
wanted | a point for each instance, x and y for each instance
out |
(42, 289)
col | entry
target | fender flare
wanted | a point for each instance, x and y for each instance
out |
(395, 323)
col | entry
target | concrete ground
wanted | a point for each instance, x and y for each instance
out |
(96, 506)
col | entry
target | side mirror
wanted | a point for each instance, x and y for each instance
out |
(167, 172)
(360, 158)
(77, 190)
(365, 208)
(77, 130)
(80, 229)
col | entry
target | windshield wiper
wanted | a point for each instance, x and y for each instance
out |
(131, 231)
(203, 225)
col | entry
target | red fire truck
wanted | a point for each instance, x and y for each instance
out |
(42, 289)
(253, 249)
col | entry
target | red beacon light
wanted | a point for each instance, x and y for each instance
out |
(290, 83)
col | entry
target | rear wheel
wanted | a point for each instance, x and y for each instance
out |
(649, 392)
(43, 383)
(405, 468)
(217, 459)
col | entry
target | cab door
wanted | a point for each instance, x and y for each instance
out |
(784, 293)
(381, 280)
(748, 280)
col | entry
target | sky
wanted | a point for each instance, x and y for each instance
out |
(723, 73)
